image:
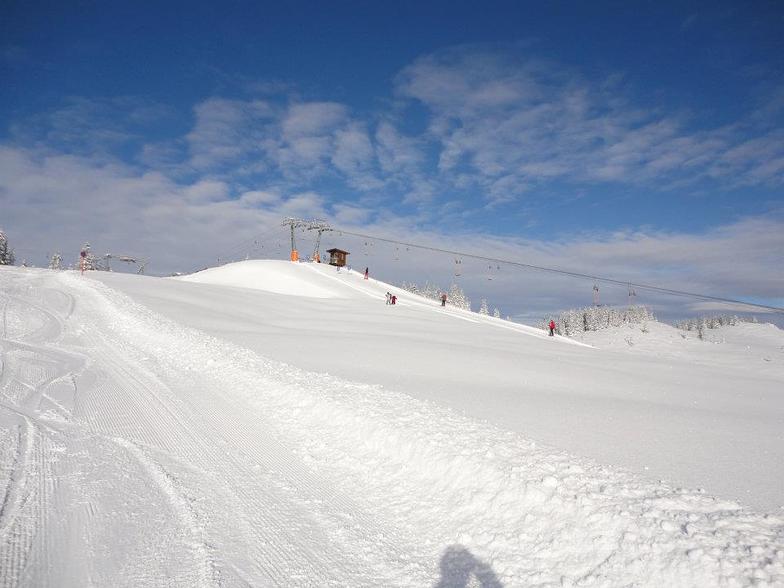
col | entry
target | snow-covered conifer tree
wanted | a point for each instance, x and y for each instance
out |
(593, 318)
(410, 287)
(90, 261)
(6, 253)
(458, 298)
(483, 307)
(497, 313)
(56, 262)
(431, 291)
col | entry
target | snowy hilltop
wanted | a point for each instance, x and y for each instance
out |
(276, 423)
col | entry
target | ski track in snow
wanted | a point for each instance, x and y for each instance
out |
(136, 452)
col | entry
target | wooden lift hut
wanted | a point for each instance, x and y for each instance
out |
(337, 257)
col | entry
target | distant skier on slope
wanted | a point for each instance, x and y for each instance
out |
(394, 299)
(389, 298)
(552, 327)
(443, 299)
(366, 273)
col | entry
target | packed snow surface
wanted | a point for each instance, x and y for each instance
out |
(280, 278)
(158, 432)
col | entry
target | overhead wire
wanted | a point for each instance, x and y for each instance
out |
(595, 278)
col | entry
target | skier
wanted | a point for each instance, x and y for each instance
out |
(443, 299)
(389, 298)
(366, 273)
(394, 299)
(552, 327)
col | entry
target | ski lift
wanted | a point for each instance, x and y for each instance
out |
(458, 264)
(595, 295)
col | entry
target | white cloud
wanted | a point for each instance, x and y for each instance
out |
(205, 191)
(57, 202)
(347, 214)
(313, 119)
(305, 205)
(398, 153)
(494, 115)
(255, 198)
(355, 157)
(227, 131)
(91, 126)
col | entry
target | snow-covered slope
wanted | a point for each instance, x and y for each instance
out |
(664, 407)
(227, 436)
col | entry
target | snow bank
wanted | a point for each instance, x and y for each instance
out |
(280, 277)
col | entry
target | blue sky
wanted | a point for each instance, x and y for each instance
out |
(555, 129)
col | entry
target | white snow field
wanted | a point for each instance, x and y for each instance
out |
(276, 424)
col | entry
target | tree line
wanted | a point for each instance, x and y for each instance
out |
(595, 318)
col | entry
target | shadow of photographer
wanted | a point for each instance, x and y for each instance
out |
(459, 567)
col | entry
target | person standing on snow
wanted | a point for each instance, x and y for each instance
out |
(552, 327)
(389, 298)
(366, 273)
(394, 299)
(443, 299)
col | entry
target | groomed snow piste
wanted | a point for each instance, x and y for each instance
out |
(270, 423)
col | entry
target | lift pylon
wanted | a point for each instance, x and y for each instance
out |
(293, 223)
(320, 226)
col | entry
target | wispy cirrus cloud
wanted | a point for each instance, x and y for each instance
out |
(512, 121)
(92, 126)
(295, 142)
(228, 132)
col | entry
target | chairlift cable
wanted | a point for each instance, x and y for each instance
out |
(595, 278)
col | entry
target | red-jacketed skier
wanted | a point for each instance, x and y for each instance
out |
(552, 327)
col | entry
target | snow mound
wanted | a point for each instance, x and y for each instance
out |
(279, 277)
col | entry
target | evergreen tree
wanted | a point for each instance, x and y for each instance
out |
(90, 261)
(497, 313)
(483, 307)
(6, 253)
(56, 262)
(458, 298)
(431, 291)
